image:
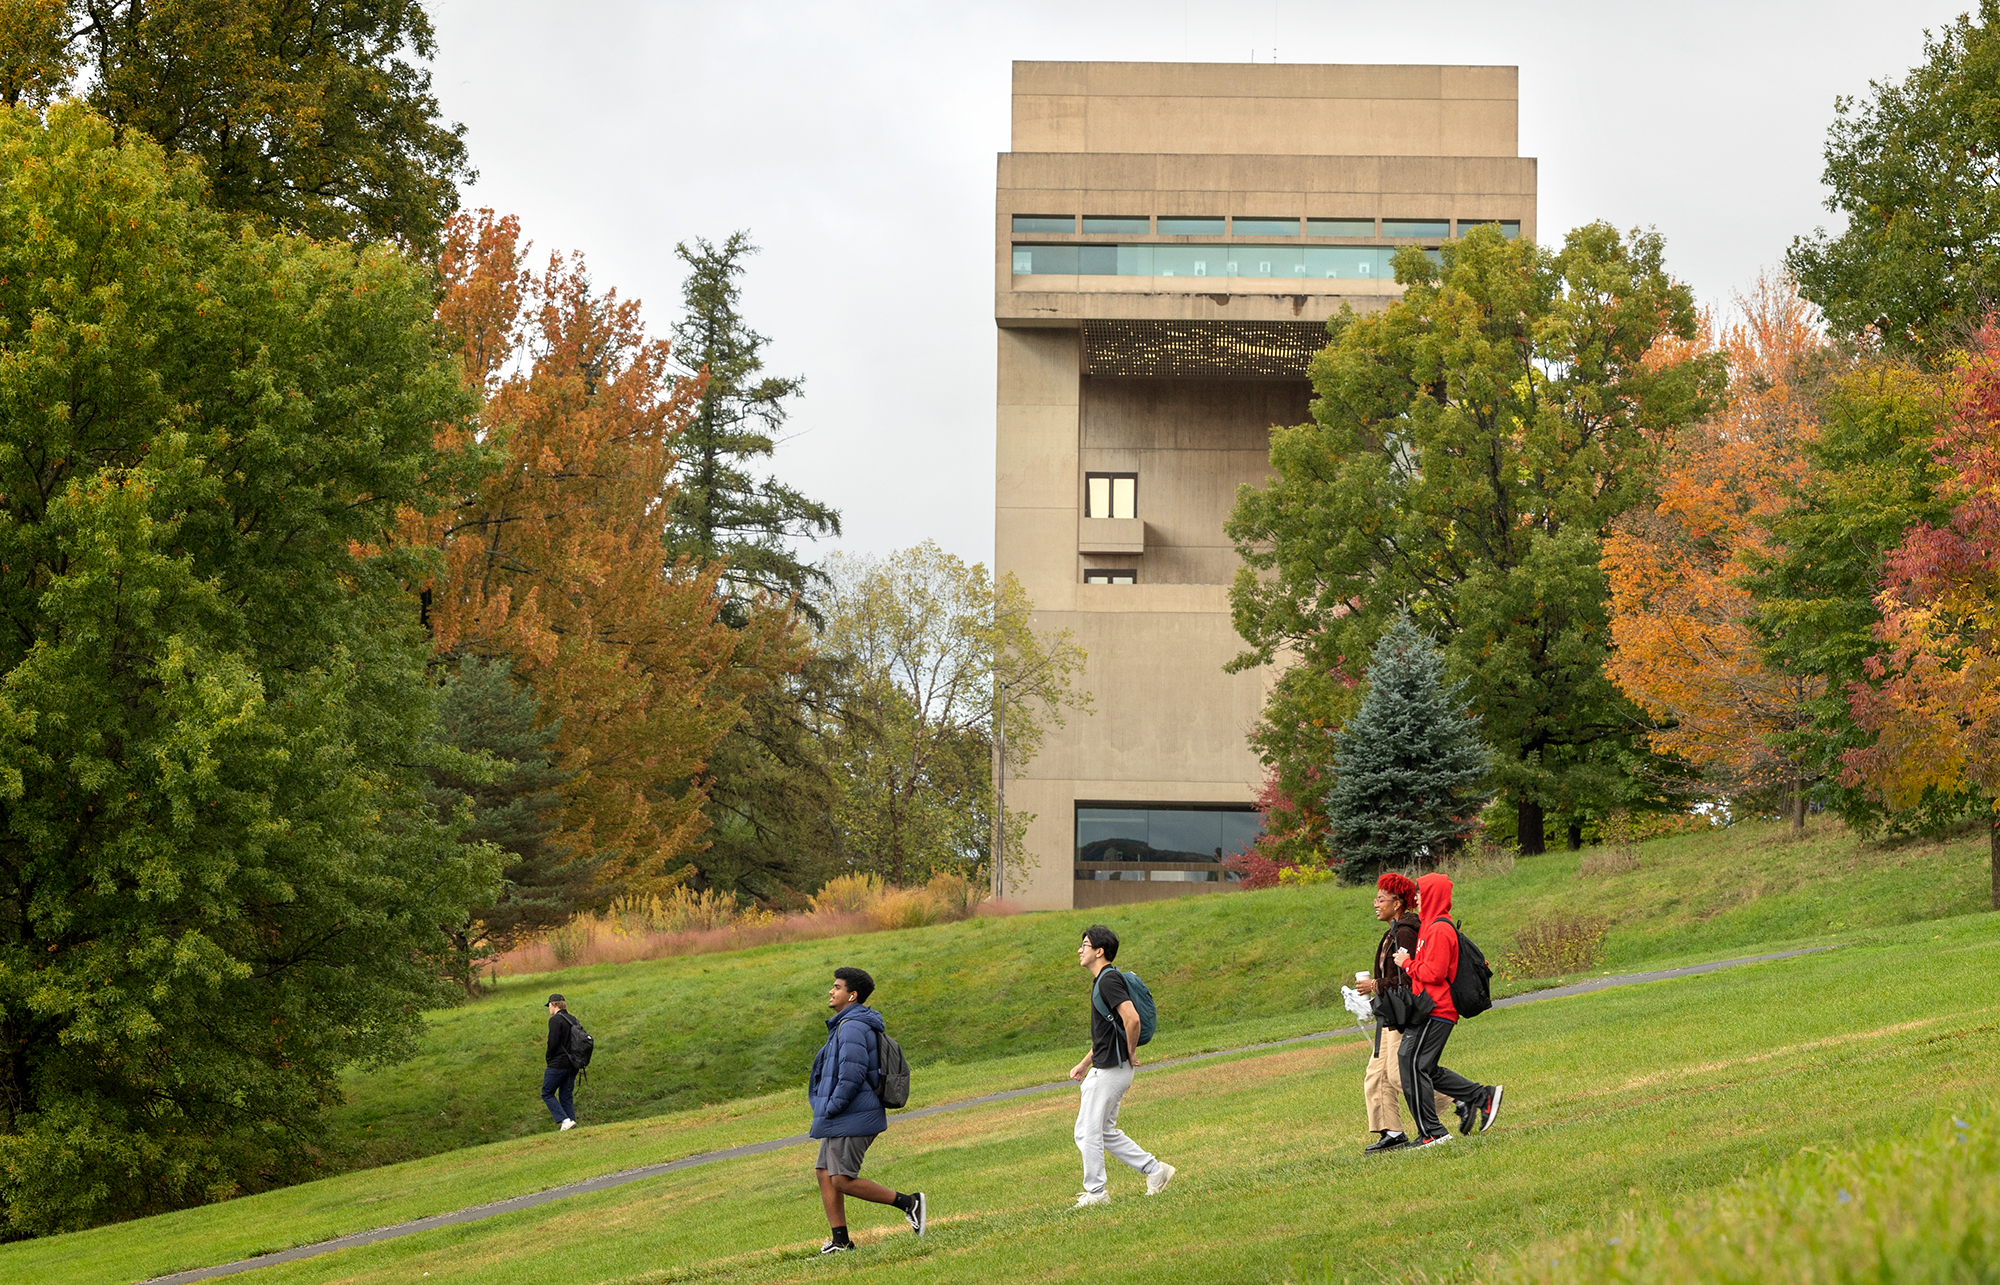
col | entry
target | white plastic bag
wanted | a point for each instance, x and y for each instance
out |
(1362, 1006)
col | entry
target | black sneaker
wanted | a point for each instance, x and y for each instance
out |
(1468, 1116)
(1492, 1111)
(1387, 1142)
(915, 1213)
(836, 1247)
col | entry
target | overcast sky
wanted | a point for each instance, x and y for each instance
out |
(856, 142)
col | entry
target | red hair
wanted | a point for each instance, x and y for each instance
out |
(1397, 886)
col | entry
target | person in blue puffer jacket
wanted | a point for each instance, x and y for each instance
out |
(847, 1114)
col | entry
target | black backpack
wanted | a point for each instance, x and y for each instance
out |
(1472, 985)
(580, 1044)
(895, 1072)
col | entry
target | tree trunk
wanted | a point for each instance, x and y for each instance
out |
(1996, 861)
(1798, 808)
(1528, 828)
(1576, 836)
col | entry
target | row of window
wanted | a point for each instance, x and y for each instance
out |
(1182, 833)
(1110, 575)
(1338, 262)
(1160, 876)
(1122, 225)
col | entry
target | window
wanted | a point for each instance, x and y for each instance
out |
(1263, 227)
(1509, 228)
(1066, 260)
(1110, 575)
(1045, 222)
(1416, 227)
(1340, 227)
(1111, 495)
(1129, 225)
(1183, 833)
(1190, 227)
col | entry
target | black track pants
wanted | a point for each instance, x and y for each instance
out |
(1422, 1075)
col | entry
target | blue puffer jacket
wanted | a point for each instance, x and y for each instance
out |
(842, 1087)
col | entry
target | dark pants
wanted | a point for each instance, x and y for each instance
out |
(558, 1092)
(1422, 1075)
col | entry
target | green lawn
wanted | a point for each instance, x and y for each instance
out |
(1635, 1099)
(679, 1033)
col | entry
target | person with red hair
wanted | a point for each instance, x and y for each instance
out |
(1382, 1082)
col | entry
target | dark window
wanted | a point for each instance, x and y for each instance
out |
(1167, 832)
(1103, 223)
(1189, 227)
(1263, 227)
(1340, 227)
(1111, 495)
(1416, 227)
(1110, 575)
(1509, 228)
(1045, 222)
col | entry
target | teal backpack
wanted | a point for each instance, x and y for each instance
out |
(1142, 1001)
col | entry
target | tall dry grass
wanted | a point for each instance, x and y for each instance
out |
(691, 923)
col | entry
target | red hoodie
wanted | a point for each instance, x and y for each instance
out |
(1436, 961)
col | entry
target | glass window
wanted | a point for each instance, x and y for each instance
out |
(1045, 222)
(1110, 575)
(1509, 228)
(1103, 223)
(1340, 262)
(1166, 833)
(1340, 227)
(1349, 262)
(1190, 227)
(1264, 227)
(1111, 495)
(1416, 227)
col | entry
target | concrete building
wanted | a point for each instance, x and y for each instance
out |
(1169, 242)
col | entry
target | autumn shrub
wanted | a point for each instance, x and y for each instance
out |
(1556, 947)
(848, 894)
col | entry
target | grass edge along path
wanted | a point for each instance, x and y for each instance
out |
(605, 1182)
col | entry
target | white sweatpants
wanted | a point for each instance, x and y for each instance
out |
(1097, 1126)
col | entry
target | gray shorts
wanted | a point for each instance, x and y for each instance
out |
(842, 1156)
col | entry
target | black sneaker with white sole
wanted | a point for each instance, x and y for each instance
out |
(836, 1247)
(1492, 1111)
(916, 1212)
(1387, 1142)
(1468, 1116)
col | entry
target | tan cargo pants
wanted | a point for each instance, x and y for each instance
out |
(1382, 1086)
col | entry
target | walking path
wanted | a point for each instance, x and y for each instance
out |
(619, 1179)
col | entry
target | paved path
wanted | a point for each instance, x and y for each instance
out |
(619, 1179)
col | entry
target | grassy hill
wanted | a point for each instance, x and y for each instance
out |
(1620, 1103)
(1228, 969)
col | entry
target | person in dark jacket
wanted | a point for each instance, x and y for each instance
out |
(1382, 1082)
(559, 1075)
(1432, 966)
(847, 1114)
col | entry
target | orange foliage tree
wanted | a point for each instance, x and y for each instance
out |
(1686, 650)
(1935, 702)
(557, 562)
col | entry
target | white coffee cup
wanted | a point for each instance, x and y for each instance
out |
(1361, 977)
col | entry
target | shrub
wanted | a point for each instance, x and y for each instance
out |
(1556, 948)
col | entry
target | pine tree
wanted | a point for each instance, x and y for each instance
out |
(718, 512)
(1409, 767)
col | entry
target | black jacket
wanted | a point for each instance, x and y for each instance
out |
(1389, 976)
(559, 1024)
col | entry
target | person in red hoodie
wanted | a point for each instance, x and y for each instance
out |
(1431, 971)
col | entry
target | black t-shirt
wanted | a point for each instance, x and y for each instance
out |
(1107, 1034)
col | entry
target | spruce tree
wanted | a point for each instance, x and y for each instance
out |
(1409, 768)
(719, 511)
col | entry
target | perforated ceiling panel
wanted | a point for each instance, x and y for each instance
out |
(1168, 349)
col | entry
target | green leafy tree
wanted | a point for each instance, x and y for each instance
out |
(1912, 169)
(719, 512)
(510, 789)
(220, 881)
(927, 635)
(1471, 444)
(1872, 475)
(311, 115)
(1408, 767)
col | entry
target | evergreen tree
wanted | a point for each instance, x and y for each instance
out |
(512, 788)
(1409, 767)
(718, 512)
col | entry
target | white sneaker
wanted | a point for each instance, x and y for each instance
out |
(1092, 1198)
(567, 1124)
(1156, 1181)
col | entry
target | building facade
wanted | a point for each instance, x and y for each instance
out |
(1170, 241)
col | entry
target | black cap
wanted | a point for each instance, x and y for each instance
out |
(552, 999)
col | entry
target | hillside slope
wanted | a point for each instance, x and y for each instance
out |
(1226, 968)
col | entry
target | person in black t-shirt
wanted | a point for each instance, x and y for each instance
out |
(1107, 1072)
